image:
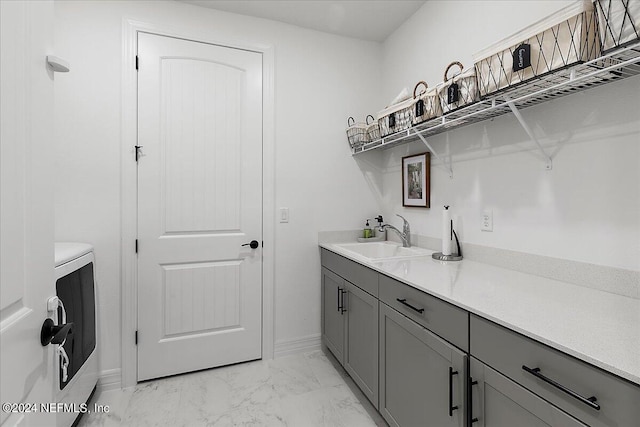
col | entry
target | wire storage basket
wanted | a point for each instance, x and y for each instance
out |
(373, 129)
(396, 118)
(565, 38)
(426, 105)
(459, 90)
(618, 23)
(356, 133)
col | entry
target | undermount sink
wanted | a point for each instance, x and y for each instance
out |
(377, 251)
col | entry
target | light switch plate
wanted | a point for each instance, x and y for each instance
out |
(284, 214)
(487, 221)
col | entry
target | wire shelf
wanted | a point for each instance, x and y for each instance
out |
(608, 68)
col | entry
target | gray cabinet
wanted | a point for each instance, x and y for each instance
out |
(361, 340)
(361, 276)
(591, 395)
(332, 313)
(390, 338)
(496, 401)
(422, 377)
(350, 323)
(444, 319)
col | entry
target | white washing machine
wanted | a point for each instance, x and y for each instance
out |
(77, 366)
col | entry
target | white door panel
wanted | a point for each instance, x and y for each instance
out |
(199, 200)
(193, 289)
(26, 211)
(201, 181)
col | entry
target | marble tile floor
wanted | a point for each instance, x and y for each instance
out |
(303, 390)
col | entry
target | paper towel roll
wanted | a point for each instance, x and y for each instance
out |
(446, 231)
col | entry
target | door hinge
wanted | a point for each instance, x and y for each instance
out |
(136, 338)
(137, 65)
(136, 245)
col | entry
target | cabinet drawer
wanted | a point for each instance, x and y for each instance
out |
(446, 320)
(508, 352)
(496, 401)
(361, 276)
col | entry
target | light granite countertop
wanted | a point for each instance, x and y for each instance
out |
(600, 328)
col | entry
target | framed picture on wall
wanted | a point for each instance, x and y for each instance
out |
(415, 180)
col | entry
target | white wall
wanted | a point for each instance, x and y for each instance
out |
(586, 209)
(445, 31)
(320, 80)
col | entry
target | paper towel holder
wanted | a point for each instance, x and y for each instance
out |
(441, 257)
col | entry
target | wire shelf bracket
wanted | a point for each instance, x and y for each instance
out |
(548, 162)
(448, 167)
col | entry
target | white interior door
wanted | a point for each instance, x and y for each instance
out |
(26, 212)
(199, 201)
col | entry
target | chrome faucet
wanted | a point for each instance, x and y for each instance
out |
(405, 235)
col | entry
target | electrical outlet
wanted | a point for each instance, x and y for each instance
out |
(487, 221)
(284, 214)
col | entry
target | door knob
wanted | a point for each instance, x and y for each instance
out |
(54, 334)
(253, 244)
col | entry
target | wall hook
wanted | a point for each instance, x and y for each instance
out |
(58, 65)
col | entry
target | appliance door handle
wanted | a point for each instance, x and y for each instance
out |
(403, 301)
(54, 334)
(589, 401)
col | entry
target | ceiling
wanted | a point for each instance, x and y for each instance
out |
(371, 20)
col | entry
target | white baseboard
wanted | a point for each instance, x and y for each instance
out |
(110, 380)
(297, 345)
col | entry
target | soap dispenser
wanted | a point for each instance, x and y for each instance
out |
(368, 233)
(379, 231)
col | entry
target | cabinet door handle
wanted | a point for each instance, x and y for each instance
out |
(403, 301)
(341, 293)
(471, 419)
(451, 407)
(590, 401)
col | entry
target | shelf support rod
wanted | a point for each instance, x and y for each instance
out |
(548, 163)
(448, 168)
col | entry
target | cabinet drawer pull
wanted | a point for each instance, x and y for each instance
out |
(403, 301)
(451, 407)
(339, 293)
(591, 401)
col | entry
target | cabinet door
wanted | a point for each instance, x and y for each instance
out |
(361, 340)
(496, 401)
(333, 289)
(422, 377)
